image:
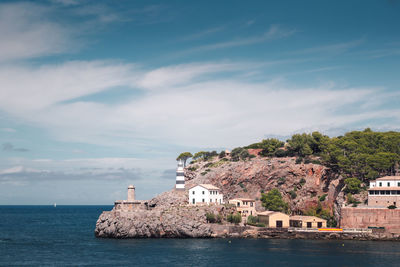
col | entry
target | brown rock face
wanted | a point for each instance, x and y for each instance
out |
(250, 178)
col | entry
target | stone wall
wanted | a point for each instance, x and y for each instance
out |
(383, 201)
(371, 217)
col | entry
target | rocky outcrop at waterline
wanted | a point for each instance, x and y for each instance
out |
(302, 185)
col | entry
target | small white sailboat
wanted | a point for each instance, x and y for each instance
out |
(55, 205)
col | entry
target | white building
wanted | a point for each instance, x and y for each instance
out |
(180, 176)
(205, 193)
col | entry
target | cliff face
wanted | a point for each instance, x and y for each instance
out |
(168, 214)
(300, 184)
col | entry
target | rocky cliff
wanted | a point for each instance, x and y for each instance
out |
(303, 186)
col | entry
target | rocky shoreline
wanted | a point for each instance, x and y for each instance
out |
(123, 225)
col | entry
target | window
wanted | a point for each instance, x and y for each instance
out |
(203, 200)
(238, 204)
(388, 183)
(381, 192)
(380, 183)
(220, 201)
(387, 192)
(203, 194)
(371, 192)
(309, 225)
(192, 192)
(193, 201)
(319, 224)
(398, 183)
(251, 204)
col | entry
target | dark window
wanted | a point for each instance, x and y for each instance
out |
(319, 224)
(192, 192)
(387, 192)
(371, 192)
(279, 224)
(193, 201)
(388, 183)
(309, 225)
(380, 183)
(203, 192)
(238, 204)
(398, 192)
(382, 192)
(203, 200)
(251, 204)
(398, 183)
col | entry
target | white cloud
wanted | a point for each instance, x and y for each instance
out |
(34, 88)
(27, 34)
(197, 106)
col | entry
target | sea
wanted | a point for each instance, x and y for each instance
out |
(64, 236)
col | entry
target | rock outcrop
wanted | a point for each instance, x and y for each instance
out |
(303, 186)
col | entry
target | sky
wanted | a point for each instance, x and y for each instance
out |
(97, 95)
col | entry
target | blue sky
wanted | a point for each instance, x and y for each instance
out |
(96, 95)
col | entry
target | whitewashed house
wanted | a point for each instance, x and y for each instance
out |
(205, 194)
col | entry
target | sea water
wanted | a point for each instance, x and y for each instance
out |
(49, 236)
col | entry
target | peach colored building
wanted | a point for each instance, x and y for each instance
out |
(274, 219)
(245, 206)
(301, 221)
(384, 192)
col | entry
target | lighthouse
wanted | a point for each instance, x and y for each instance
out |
(180, 176)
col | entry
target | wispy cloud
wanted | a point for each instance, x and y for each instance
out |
(203, 33)
(10, 148)
(337, 48)
(274, 32)
(28, 34)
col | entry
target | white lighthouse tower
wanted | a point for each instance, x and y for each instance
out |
(180, 176)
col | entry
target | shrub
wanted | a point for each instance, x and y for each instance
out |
(323, 197)
(234, 218)
(352, 185)
(302, 181)
(280, 153)
(210, 217)
(316, 161)
(299, 160)
(219, 218)
(260, 225)
(281, 180)
(292, 194)
(252, 220)
(222, 154)
(192, 168)
(352, 200)
(392, 207)
(203, 173)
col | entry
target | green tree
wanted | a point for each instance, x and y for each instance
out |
(352, 185)
(273, 201)
(184, 156)
(234, 218)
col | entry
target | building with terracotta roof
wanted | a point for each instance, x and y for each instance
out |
(205, 194)
(301, 221)
(384, 192)
(245, 206)
(273, 219)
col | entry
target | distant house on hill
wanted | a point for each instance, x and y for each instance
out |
(245, 206)
(205, 194)
(384, 192)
